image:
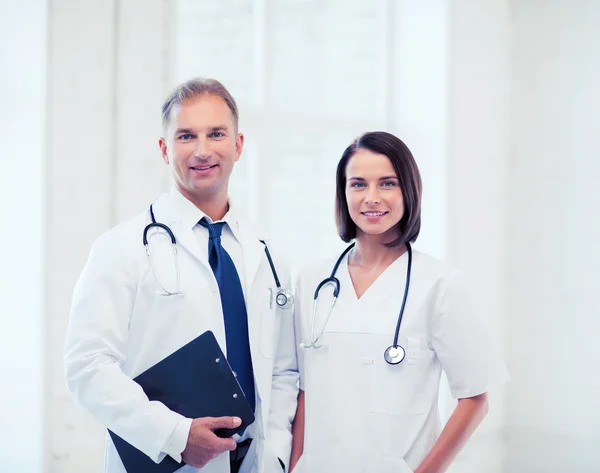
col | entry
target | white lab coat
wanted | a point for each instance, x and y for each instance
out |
(362, 414)
(121, 325)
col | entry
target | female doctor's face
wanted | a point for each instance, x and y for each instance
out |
(202, 144)
(373, 193)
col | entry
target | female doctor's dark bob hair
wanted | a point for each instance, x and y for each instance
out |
(408, 174)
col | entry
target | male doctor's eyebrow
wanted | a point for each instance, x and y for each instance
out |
(184, 131)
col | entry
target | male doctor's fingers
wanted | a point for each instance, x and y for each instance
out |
(203, 445)
(225, 422)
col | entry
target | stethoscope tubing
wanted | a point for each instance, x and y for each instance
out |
(336, 291)
(284, 298)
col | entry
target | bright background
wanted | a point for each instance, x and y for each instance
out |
(497, 99)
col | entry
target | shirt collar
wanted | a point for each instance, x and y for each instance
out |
(190, 215)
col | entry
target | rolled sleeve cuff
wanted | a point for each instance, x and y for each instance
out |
(177, 441)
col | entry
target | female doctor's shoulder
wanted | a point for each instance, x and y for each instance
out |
(445, 283)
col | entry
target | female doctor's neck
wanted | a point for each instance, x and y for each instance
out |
(371, 250)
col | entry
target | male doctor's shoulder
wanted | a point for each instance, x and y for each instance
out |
(122, 246)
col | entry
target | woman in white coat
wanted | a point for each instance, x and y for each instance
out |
(369, 402)
(130, 311)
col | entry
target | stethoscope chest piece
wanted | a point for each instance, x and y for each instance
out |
(284, 298)
(394, 354)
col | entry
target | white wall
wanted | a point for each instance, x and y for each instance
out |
(22, 187)
(477, 210)
(553, 403)
(107, 75)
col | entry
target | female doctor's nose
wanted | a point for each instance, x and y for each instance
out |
(372, 199)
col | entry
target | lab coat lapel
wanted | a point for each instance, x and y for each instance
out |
(253, 250)
(166, 212)
(257, 298)
(189, 242)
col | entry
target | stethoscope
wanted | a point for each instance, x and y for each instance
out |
(284, 297)
(395, 353)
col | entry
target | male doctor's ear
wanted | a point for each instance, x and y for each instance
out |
(162, 143)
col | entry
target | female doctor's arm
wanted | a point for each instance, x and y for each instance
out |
(298, 432)
(462, 423)
(463, 344)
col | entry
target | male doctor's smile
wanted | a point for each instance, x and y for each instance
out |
(202, 144)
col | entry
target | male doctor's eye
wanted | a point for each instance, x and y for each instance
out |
(217, 134)
(185, 137)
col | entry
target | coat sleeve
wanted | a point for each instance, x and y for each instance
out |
(463, 341)
(97, 344)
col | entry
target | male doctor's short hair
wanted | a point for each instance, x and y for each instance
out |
(196, 88)
(407, 172)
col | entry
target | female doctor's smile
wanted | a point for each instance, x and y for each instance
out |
(373, 194)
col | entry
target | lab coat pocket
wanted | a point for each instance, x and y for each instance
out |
(394, 389)
(387, 463)
(168, 306)
(271, 462)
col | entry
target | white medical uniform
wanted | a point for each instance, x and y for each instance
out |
(362, 414)
(122, 324)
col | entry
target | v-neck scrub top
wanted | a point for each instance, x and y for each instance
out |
(362, 414)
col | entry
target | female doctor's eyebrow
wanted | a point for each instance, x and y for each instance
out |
(362, 179)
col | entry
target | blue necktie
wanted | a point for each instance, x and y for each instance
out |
(234, 310)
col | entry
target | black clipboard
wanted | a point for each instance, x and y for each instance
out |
(194, 381)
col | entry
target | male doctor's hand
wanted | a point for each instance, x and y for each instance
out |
(203, 445)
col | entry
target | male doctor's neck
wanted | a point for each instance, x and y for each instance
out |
(201, 145)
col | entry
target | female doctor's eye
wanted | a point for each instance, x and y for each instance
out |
(357, 185)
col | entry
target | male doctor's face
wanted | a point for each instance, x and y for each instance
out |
(202, 144)
(373, 193)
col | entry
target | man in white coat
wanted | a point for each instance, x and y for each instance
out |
(130, 311)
